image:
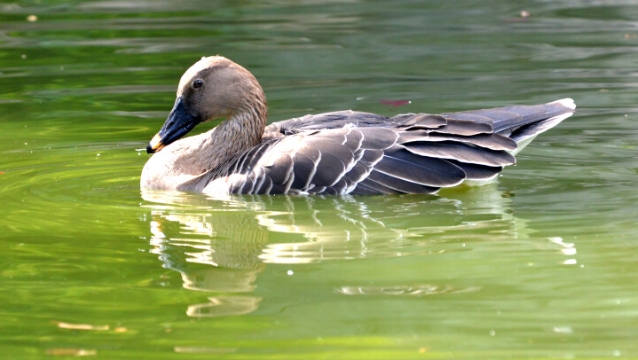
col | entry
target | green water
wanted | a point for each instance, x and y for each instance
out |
(541, 264)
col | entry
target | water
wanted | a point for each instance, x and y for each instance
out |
(541, 264)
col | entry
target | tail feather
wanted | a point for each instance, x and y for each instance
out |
(521, 123)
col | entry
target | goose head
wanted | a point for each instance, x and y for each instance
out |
(213, 88)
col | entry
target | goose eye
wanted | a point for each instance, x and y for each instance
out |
(198, 83)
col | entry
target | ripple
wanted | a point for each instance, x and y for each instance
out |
(55, 196)
(405, 290)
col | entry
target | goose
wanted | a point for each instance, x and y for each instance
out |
(342, 152)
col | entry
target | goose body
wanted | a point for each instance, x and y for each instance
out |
(344, 152)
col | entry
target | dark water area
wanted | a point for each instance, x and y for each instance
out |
(540, 264)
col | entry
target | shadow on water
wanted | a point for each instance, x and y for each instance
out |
(220, 246)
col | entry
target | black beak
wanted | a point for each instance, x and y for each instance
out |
(178, 124)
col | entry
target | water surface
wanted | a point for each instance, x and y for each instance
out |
(541, 264)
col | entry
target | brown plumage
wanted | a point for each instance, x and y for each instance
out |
(345, 152)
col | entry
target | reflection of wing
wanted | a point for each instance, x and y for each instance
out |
(221, 246)
(242, 232)
(350, 152)
(381, 227)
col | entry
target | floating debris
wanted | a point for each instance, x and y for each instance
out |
(395, 103)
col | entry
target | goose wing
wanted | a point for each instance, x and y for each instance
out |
(363, 160)
(331, 161)
(360, 153)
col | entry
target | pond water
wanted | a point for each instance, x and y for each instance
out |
(541, 264)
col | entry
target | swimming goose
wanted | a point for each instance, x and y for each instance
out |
(343, 152)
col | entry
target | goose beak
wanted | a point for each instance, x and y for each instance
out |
(155, 145)
(178, 124)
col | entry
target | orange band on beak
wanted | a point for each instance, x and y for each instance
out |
(156, 143)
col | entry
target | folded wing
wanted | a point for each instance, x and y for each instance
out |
(351, 152)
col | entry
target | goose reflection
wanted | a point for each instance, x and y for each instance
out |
(221, 245)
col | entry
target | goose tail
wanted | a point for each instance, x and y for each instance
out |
(522, 123)
(556, 112)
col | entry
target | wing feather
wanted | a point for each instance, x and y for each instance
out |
(304, 170)
(419, 121)
(399, 185)
(410, 167)
(329, 170)
(378, 138)
(478, 172)
(462, 152)
(489, 141)
(464, 128)
(265, 187)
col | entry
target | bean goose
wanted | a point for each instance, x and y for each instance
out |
(343, 152)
